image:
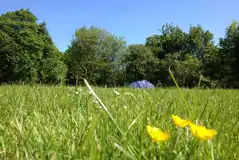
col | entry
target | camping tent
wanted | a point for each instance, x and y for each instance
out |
(141, 84)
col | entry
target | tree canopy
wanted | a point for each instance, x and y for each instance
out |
(29, 55)
(96, 55)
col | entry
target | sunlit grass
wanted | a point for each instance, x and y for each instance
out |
(70, 123)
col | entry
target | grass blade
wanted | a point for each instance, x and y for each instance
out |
(102, 105)
(179, 90)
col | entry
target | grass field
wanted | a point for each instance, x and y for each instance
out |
(40, 122)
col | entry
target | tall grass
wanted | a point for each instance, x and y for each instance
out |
(40, 122)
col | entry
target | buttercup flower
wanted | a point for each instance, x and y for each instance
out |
(180, 122)
(202, 132)
(156, 134)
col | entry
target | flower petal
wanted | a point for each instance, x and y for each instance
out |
(156, 134)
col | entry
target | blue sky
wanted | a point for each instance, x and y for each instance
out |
(133, 19)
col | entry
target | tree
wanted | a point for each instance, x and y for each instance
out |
(177, 48)
(20, 45)
(140, 64)
(199, 41)
(187, 72)
(229, 46)
(24, 44)
(96, 55)
(52, 68)
(171, 40)
(201, 45)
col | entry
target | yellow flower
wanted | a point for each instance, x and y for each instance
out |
(180, 122)
(202, 132)
(156, 134)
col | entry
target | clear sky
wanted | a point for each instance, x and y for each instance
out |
(133, 19)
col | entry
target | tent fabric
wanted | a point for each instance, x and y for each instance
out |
(141, 84)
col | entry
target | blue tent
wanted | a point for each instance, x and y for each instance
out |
(141, 84)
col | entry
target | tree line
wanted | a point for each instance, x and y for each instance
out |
(28, 55)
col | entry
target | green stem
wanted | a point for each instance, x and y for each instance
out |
(179, 90)
(177, 139)
(212, 150)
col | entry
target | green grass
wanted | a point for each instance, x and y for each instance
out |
(40, 122)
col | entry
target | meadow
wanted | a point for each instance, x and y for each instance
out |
(60, 122)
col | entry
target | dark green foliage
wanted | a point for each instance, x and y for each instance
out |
(140, 64)
(230, 52)
(186, 71)
(25, 47)
(172, 39)
(96, 55)
(191, 55)
(28, 54)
